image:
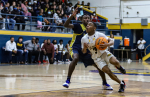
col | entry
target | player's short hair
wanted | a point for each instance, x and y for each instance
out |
(95, 24)
(84, 15)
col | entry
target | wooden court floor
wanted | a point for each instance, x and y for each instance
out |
(46, 81)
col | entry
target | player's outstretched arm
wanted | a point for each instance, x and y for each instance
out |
(67, 23)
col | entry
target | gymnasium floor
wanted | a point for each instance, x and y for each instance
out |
(46, 81)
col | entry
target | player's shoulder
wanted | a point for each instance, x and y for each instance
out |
(84, 37)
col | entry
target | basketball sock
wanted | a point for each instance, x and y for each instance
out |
(121, 82)
(104, 82)
(68, 78)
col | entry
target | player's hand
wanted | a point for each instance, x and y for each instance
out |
(75, 12)
(86, 46)
(104, 45)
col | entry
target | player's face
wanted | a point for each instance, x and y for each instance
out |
(86, 19)
(90, 27)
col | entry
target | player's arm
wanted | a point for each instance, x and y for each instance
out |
(67, 23)
(84, 46)
(110, 42)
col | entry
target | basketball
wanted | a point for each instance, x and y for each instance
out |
(99, 41)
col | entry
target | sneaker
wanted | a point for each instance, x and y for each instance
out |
(122, 87)
(66, 84)
(107, 87)
(26, 62)
(3, 28)
(122, 70)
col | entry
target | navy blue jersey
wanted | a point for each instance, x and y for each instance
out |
(79, 32)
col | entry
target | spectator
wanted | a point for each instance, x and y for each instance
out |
(35, 5)
(60, 50)
(5, 17)
(21, 50)
(66, 55)
(32, 47)
(56, 50)
(37, 43)
(43, 5)
(1, 7)
(40, 20)
(82, 3)
(46, 9)
(47, 49)
(10, 49)
(59, 22)
(66, 11)
(12, 7)
(61, 9)
(111, 48)
(95, 17)
(45, 41)
(19, 19)
(88, 4)
(44, 57)
(70, 7)
(37, 12)
(140, 49)
(26, 13)
(2, 3)
(78, 3)
(64, 18)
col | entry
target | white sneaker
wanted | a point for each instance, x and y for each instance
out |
(107, 87)
(3, 28)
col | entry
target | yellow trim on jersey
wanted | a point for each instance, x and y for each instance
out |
(74, 38)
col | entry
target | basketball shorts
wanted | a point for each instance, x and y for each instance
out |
(85, 58)
(103, 60)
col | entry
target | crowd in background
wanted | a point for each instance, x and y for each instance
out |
(46, 52)
(43, 10)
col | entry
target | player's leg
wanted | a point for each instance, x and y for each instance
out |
(75, 55)
(116, 63)
(114, 77)
(106, 86)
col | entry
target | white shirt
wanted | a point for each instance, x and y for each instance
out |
(90, 40)
(60, 47)
(10, 46)
(141, 46)
(112, 46)
(55, 46)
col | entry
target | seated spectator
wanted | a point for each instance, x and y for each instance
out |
(88, 4)
(21, 50)
(26, 13)
(37, 12)
(37, 43)
(10, 49)
(47, 49)
(78, 3)
(35, 5)
(12, 7)
(70, 7)
(66, 54)
(43, 5)
(59, 22)
(60, 50)
(56, 50)
(61, 9)
(40, 20)
(64, 18)
(5, 10)
(32, 48)
(66, 11)
(82, 3)
(94, 17)
(19, 19)
(46, 9)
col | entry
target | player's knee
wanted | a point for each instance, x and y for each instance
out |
(108, 72)
(75, 59)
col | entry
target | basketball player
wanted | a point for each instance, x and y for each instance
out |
(101, 57)
(76, 50)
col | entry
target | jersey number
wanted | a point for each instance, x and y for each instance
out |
(95, 49)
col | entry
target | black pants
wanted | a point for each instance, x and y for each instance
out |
(140, 53)
(33, 53)
(49, 57)
(9, 55)
(20, 20)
